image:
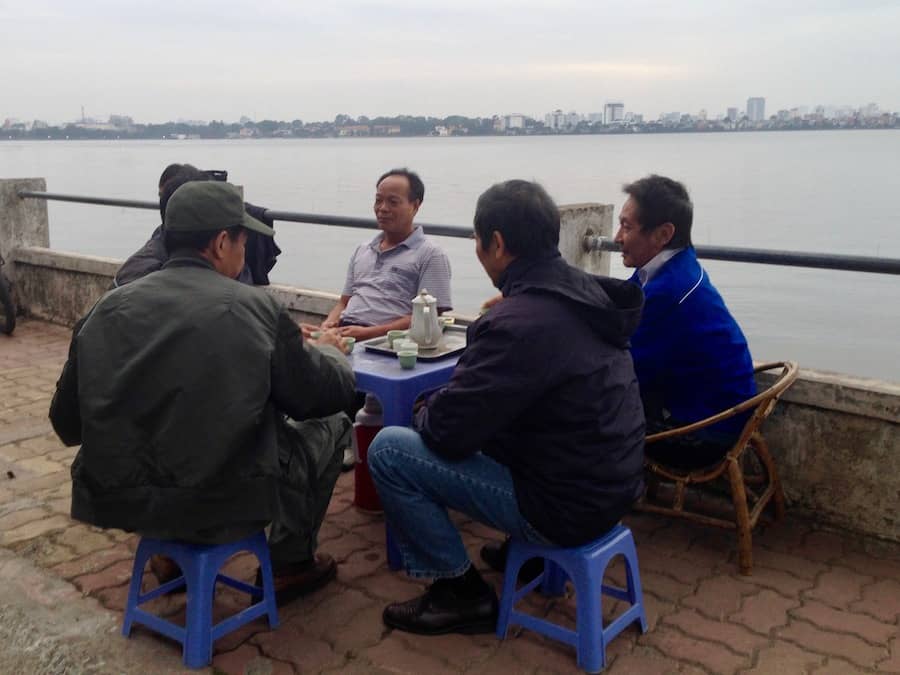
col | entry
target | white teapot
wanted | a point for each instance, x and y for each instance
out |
(424, 328)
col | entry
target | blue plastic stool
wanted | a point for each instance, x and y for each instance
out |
(585, 566)
(200, 572)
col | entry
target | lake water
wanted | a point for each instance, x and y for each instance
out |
(825, 191)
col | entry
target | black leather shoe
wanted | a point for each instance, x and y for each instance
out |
(441, 610)
(494, 554)
(296, 581)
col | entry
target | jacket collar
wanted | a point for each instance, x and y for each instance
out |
(520, 268)
(185, 257)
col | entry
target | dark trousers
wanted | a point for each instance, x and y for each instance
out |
(310, 454)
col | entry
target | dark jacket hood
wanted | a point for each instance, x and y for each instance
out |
(612, 307)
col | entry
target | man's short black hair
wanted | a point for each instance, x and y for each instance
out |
(185, 174)
(197, 241)
(416, 186)
(523, 213)
(662, 200)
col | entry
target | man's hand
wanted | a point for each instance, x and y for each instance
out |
(307, 329)
(327, 325)
(358, 332)
(331, 337)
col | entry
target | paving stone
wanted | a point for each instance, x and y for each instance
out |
(871, 565)
(292, 644)
(40, 466)
(881, 600)
(83, 540)
(712, 656)
(736, 637)
(246, 660)
(114, 575)
(782, 582)
(531, 649)
(892, 663)
(826, 642)
(664, 587)
(35, 528)
(720, 596)
(331, 615)
(15, 519)
(764, 611)
(393, 655)
(93, 562)
(361, 564)
(644, 662)
(342, 547)
(364, 628)
(784, 658)
(842, 621)
(43, 552)
(462, 652)
(839, 587)
(835, 666)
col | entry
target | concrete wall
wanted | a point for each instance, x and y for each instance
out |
(836, 441)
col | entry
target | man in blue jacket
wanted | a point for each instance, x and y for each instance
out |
(690, 356)
(539, 432)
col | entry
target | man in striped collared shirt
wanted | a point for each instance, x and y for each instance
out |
(386, 273)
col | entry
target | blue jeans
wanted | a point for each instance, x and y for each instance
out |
(417, 487)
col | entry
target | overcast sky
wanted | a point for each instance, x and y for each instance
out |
(289, 59)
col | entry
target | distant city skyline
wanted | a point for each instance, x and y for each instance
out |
(312, 61)
(608, 112)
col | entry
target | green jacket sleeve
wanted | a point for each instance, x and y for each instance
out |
(309, 381)
(65, 412)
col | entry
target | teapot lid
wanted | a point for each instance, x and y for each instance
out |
(423, 298)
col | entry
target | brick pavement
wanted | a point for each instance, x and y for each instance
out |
(818, 601)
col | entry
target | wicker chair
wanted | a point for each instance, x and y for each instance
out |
(752, 484)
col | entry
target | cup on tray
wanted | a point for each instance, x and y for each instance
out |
(348, 343)
(394, 335)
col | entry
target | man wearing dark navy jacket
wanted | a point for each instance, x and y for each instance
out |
(690, 355)
(539, 432)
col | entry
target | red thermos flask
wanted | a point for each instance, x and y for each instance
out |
(368, 423)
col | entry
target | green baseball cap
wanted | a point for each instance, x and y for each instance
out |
(201, 206)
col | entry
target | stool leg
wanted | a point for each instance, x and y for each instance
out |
(201, 583)
(141, 555)
(554, 582)
(591, 645)
(265, 566)
(633, 576)
(514, 562)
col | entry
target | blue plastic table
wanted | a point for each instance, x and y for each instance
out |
(397, 390)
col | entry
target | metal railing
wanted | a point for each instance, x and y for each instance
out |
(849, 263)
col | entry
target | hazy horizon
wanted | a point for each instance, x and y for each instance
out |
(286, 60)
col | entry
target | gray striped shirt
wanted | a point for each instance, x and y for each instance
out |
(382, 284)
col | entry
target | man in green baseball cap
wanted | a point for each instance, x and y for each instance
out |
(200, 208)
(202, 413)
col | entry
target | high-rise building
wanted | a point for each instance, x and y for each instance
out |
(613, 112)
(756, 109)
(732, 114)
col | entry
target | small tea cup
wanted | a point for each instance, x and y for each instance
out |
(315, 335)
(348, 343)
(407, 358)
(407, 345)
(394, 335)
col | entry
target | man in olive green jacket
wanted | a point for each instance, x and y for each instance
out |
(188, 392)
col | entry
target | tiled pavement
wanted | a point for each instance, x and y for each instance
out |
(818, 601)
